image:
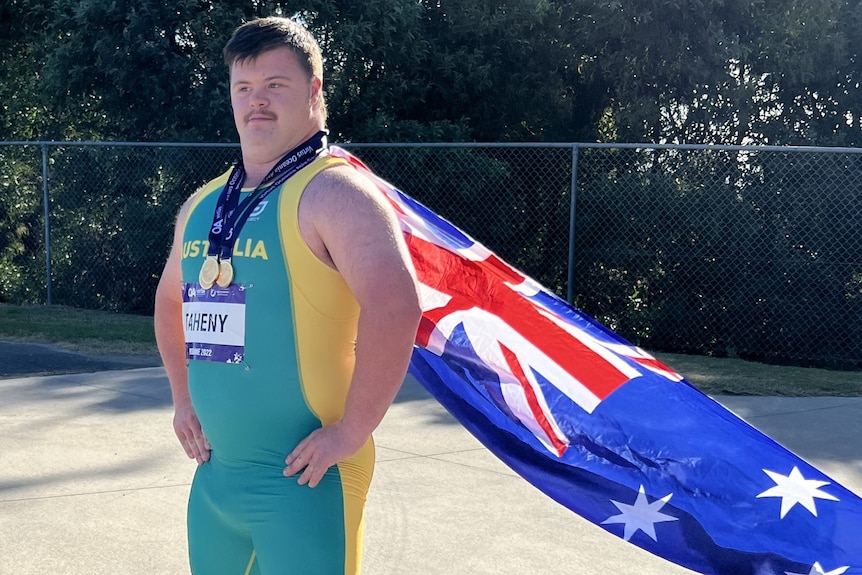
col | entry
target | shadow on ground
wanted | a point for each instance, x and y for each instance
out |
(26, 359)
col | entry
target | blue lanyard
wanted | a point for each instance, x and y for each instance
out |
(230, 214)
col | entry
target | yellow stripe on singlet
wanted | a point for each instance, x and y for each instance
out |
(325, 322)
(250, 562)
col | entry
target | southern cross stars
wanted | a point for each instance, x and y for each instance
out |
(642, 515)
(794, 488)
(816, 569)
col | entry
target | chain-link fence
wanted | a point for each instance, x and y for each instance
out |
(753, 252)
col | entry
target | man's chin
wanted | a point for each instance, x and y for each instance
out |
(257, 137)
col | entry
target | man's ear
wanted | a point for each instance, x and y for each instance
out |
(316, 91)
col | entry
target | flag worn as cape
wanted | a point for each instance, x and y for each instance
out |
(604, 428)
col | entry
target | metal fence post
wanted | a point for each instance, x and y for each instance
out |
(671, 250)
(47, 212)
(570, 289)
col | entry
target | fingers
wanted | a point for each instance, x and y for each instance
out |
(187, 446)
(201, 448)
(192, 438)
(302, 458)
(313, 456)
(195, 444)
(296, 455)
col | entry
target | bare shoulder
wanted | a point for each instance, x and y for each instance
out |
(342, 201)
(338, 186)
(344, 216)
(180, 222)
(191, 201)
(185, 208)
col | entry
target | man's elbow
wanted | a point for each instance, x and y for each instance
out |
(413, 312)
(407, 307)
(399, 304)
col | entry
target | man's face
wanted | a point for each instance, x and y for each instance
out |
(274, 102)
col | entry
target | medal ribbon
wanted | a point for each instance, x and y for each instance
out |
(230, 215)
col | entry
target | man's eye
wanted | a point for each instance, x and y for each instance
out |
(275, 85)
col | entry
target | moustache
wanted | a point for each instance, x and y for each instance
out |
(267, 115)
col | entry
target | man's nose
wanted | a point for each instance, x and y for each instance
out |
(258, 98)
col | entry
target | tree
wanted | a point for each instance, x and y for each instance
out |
(134, 70)
(723, 71)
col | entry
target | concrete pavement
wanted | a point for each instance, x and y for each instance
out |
(92, 481)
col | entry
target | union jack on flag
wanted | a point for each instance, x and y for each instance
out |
(607, 430)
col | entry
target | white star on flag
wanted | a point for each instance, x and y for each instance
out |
(816, 569)
(642, 515)
(794, 488)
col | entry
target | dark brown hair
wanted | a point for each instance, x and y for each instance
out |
(258, 36)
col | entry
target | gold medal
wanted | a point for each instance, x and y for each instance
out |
(209, 272)
(225, 273)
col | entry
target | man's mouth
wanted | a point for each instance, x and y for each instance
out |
(259, 117)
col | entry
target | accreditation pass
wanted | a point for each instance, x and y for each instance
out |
(214, 323)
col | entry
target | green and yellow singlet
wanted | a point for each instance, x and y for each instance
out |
(300, 322)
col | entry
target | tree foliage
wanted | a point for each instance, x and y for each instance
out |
(728, 71)
(783, 72)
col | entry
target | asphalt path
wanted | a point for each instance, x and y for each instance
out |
(93, 481)
(23, 359)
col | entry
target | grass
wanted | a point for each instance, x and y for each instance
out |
(85, 331)
(105, 333)
(720, 376)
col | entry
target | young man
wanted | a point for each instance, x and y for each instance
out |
(285, 317)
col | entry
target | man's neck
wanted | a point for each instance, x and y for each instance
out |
(255, 173)
(258, 161)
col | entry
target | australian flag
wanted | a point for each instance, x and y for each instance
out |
(607, 430)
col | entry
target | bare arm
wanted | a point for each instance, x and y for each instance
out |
(350, 226)
(171, 342)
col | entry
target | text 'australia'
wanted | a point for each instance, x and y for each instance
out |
(244, 247)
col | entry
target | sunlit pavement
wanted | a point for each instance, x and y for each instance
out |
(92, 480)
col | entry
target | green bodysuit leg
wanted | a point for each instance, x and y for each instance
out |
(268, 525)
